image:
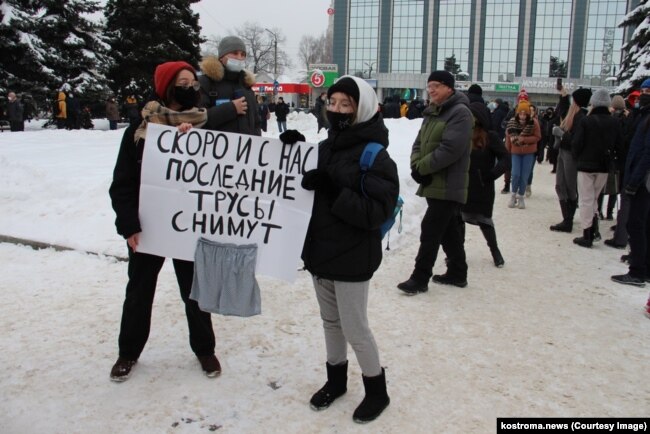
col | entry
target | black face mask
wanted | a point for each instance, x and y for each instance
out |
(339, 121)
(186, 97)
(644, 99)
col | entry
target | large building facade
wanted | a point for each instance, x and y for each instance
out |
(503, 45)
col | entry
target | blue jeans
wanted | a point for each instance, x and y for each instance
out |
(522, 164)
(282, 126)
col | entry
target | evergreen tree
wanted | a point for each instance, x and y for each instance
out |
(23, 54)
(451, 65)
(557, 67)
(76, 52)
(145, 33)
(635, 66)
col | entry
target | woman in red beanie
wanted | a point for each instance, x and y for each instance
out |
(176, 87)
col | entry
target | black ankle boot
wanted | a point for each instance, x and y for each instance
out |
(595, 231)
(336, 385)
(375, 401)
(585, 240)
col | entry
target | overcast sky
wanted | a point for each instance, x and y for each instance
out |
(295, 18)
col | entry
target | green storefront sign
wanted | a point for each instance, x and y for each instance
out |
(509, 87)
(321, 78)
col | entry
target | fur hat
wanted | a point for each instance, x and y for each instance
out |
(361, 92)
(475, 88)
(618, 103)
(523, 95)
(230, 44)
(523, 106)
(600, 98)
(165, 73)
(581, 97)
(443, 77)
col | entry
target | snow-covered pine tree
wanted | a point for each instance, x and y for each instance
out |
(76, 54)
(145, 33)
(635, 65)
(23, 53)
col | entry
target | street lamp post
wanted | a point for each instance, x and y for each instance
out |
(275, 54)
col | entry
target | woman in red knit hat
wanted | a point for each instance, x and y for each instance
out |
(177, 94)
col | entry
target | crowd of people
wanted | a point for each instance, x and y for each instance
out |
(463, 146)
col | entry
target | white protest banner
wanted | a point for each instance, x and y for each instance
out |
(225, 187)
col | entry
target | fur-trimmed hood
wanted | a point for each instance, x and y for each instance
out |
(213, 68)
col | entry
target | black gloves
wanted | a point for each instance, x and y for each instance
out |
(630, 190)
(420, 179)
(289, 137)
(319, 180)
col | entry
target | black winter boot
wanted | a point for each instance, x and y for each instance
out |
(375, 401)
(565, 225)
(595, 232)
(491, 237)
(336, 385)
(586, 239)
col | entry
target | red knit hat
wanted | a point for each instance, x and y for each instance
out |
(523, 95)
(165, 73)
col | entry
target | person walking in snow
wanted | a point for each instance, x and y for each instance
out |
(177, 95)
(440, 159)
(488, 161)
(522, 135)
(342, 247)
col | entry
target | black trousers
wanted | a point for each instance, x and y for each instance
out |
(638, 228)
(136, 312)
(442, 225)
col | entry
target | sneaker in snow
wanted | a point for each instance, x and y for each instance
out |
(627, 279)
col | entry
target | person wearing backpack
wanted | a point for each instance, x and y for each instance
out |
(343, 245)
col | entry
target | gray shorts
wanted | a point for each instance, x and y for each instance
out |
(224, 278)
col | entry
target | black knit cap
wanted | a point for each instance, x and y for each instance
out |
(347, 86)
(476, 89)
(443, 77)
(481, 114)
(582, 97)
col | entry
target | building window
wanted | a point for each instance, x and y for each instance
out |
(603, 41)
(407, 36)
(454, 23)
(501, 34)
(552, 32)
(364, 38)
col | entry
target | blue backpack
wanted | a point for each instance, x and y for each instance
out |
(367, 158)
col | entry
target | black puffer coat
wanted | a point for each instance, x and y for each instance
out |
(598, 139)
(343, 241)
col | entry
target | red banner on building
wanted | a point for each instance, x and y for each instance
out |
(301, 88)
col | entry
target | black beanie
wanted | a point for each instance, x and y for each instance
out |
(443, 77)
(581, 97)
(347, 86)
(476, 89)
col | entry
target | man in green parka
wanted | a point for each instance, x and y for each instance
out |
(440, 164)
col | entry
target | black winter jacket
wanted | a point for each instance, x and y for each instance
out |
(598, 139)
(343, 241)
(125, 188)
(218, 88)
(486, 165)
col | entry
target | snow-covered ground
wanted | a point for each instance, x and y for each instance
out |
(547, 335)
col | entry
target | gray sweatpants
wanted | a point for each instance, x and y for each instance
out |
(344, 311)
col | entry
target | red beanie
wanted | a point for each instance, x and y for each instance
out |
(523, 95)
(165, 73)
